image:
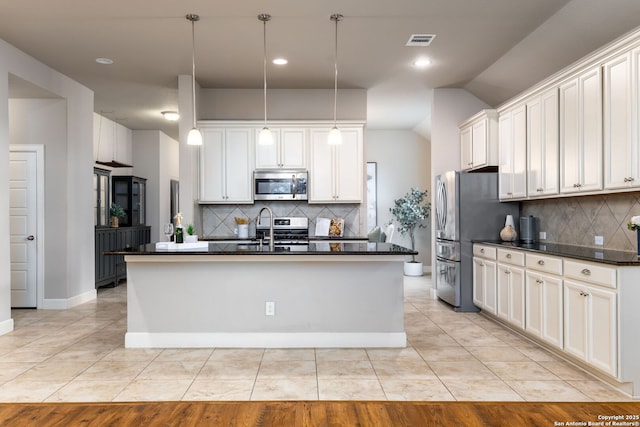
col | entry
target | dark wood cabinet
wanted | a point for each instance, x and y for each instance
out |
(101, 197)
(111, 269)
(129, 192)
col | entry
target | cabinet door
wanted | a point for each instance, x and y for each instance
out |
(516, 310)
(602, 330)
(268, 156)
(620, 142)
(466, 160)
(479, 143)
(321, 185)
(123, 145)
(478, 281)
(212, 173)
(575, 319)
(513, 155)
(542, 144)
(534, 300)
(552, 313)
(490, 287)
(503, 282)
(348, 171)
(239, 145)
(581, 133)
(293, 148)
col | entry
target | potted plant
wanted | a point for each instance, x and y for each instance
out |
(190, 237)
(116, 212)
(410, 212)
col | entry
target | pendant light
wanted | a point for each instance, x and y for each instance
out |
(194, 137)
(265, 137)
(335, 136)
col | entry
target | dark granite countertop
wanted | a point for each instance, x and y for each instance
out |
(254, 239)
(319, 248)
(583, 253)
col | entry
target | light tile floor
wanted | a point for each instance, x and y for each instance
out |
(78, 355)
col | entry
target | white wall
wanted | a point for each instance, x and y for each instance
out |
(77, 257)
(155, 157)
(403, 161)
(450, 107)
(43, 121)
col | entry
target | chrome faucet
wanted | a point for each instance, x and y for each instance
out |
(258, 219)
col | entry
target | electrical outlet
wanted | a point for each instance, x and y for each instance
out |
(599, 240)
(270, 308)
(543, 235)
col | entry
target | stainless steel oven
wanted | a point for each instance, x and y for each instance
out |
(280, 184)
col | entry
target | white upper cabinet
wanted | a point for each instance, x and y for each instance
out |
(581, 133)
(336, 171)
(621, 139)
(226, 165)
(542, 144)
(111, 141)
(288, 151)
(512, 139)
(479, 141)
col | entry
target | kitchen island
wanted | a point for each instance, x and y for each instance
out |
(325, 294)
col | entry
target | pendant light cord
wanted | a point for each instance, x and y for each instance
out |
(193, 20)
(335, 79)
(264, 68)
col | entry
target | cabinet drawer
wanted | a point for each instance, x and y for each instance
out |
(590, 272)
(486, 252)
(511, 257)
(544, 263)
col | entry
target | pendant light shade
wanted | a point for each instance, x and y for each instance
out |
(335, 136)
(265, 137)
(194, 137)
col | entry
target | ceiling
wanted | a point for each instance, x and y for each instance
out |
(493, 48)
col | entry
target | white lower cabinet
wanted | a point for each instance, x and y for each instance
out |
(590, 325)
(484, 278)
(544, 307)
(510, 287)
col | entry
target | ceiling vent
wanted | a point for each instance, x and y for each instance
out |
(420, 39)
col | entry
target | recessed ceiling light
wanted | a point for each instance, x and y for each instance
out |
(280, 61)
(172, 116)
(104, 61)
(422, 62)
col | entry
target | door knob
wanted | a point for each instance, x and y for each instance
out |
(32, 237)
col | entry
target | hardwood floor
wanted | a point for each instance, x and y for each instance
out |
(313, 413)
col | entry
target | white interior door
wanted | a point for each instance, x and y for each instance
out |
(23, 228)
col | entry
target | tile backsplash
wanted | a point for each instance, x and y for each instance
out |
(218, 220)
(577, 220)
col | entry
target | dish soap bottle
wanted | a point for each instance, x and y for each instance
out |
(179, 232)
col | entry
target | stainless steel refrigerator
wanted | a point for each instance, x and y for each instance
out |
(467, 209)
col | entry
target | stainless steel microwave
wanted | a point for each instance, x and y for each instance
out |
(280, 184)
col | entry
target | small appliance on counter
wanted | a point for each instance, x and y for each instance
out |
(528, 229)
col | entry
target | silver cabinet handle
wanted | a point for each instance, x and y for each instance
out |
(31, 237)
(540, 262)
(507, 272)
(584, 294)
(481, 251)
(586, 272)
(508, 256)
(538, 281)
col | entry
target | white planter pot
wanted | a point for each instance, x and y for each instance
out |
(191, 239)
(413, 269)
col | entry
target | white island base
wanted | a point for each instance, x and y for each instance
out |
(187, 301)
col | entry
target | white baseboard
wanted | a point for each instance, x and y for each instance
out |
(63, 304)
(6, 326)
(265, 340)
(426, 269)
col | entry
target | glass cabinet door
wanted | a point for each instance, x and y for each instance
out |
(101, 197)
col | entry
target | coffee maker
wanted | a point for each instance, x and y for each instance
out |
(528, 229)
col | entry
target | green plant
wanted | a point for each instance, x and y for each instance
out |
(190, 230)
(116, 210)
(410, 212)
